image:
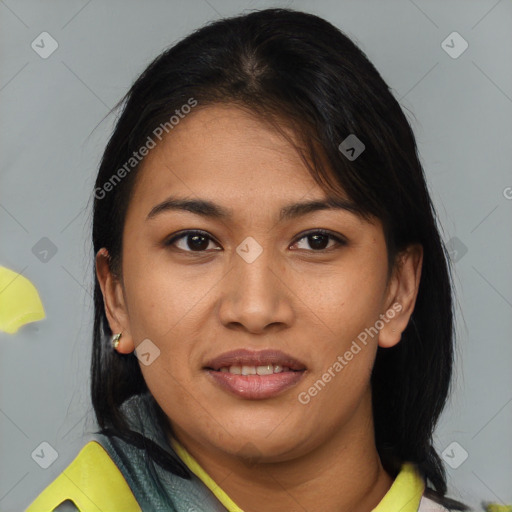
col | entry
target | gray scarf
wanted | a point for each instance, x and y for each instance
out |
(175, 494)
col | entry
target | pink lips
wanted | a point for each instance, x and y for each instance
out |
(255, 387)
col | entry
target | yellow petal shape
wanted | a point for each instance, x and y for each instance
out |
(19, 301)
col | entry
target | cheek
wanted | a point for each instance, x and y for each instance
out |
(162, 296)
(343, 308)
(166, 306)
(342, 301)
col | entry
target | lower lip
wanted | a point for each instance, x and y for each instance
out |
(256, 387)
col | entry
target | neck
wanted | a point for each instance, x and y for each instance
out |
(343, 474)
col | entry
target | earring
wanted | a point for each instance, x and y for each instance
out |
(115, 340)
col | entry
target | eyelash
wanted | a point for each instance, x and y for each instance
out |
(339, 241)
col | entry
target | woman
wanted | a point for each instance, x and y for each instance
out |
(273, 306)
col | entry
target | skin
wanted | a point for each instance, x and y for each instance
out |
(274, 454)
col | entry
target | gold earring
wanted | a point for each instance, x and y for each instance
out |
(115, 340)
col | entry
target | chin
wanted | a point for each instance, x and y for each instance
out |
(261, 447)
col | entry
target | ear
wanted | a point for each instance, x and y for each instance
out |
(401, 295)
(113, 298)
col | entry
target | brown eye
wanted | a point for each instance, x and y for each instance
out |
(319, 240)
(191, 241)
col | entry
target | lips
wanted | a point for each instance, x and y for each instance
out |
(244, 357)
(255, 375)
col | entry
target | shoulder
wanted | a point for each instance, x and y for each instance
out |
(428, 505)
(84, 481)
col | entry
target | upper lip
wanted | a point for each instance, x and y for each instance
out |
(246, 357)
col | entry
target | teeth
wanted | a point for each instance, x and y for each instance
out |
(248, 370)
(267, 369)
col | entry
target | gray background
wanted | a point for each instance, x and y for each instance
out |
(52, 136)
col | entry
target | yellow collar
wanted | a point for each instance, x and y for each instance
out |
(404, 494)
(85, 482)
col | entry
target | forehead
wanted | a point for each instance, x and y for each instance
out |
(224, 152)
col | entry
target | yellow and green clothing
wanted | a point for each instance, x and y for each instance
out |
(109, 475)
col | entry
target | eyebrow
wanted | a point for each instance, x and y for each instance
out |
(212, 210)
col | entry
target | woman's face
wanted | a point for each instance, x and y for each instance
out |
(256, 280)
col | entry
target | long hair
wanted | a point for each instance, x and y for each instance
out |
(297, 69)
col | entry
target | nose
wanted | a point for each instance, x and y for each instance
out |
(256, 296)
